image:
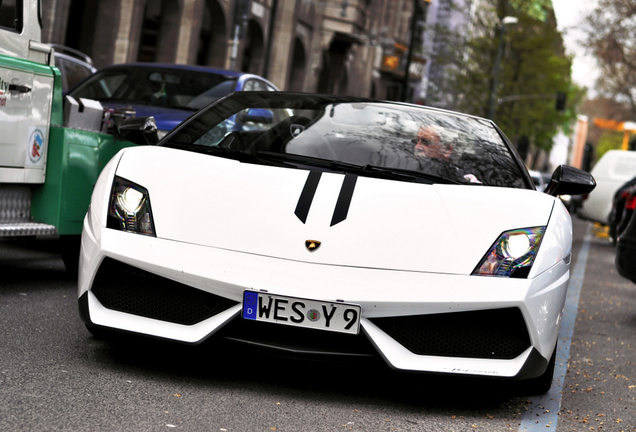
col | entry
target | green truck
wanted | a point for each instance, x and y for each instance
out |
(52, 148)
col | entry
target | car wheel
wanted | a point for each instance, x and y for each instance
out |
(612, 233)
(541, 384)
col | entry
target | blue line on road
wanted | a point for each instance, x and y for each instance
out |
(547, 406)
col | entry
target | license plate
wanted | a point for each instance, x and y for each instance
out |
(331, 316)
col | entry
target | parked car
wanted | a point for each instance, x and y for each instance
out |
(74, 65)
(539, 180)
(620, 213)
(626, 242)
(613, 169)
(168, 92)
(339, 227)
(572, 202)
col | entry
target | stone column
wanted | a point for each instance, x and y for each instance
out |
(282, 43)
(122, 42)
(102, 32)
(54, 17)
(187, 28)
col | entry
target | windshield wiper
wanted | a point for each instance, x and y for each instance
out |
(368, 170)
(309, 160)
(219, 151)
(410, 173)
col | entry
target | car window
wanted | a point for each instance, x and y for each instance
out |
(11, 15)
(75, 72)
(212, 94)
(362, 133)
(104, 86)
(72, 71)
(254, 85)
(172, 88)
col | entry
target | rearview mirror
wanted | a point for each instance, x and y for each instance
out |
(567, 180)
(138, 130)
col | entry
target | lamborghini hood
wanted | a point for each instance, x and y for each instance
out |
(357, 221)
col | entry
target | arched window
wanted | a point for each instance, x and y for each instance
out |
(252, 60)
(212, 49)
(82, 15)
(298, 67)
(159, 31)
(333, 77)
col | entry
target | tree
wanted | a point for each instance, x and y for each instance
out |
(533, 70)
(611, 37)
(536, 70)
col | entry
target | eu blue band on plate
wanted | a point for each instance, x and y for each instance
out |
(250, 303)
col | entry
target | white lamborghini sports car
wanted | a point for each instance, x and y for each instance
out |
(333, 226)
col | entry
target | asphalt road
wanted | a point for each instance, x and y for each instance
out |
(600, 387)
(55, 376)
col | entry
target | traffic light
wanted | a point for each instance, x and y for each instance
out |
(560, 101)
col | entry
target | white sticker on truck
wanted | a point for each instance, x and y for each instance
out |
(36, 147)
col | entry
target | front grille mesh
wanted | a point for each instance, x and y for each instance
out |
(490, 334)
(124, 288)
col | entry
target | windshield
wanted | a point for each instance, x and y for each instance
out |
(171, 88)
(307, 130)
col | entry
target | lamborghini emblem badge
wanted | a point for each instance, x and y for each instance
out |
(312, 245)
(296, 129)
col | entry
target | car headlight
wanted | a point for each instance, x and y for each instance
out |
(513, 250)
(129, 208)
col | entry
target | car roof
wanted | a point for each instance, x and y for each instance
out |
(231, 74)
(174, 66)
(69, 52)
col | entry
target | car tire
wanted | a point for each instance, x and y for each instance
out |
(70, 250)
(542, 384)
(612, 233)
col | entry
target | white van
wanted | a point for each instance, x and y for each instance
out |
(611, 171)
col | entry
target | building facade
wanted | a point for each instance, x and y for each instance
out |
(350, 47)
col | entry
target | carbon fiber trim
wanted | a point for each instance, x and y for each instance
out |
(26, 229)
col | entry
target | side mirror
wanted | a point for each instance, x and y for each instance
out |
(567, 180)
(256, 115)
(139, 130)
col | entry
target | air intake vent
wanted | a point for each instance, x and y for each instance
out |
(124, 288)
(489, 334)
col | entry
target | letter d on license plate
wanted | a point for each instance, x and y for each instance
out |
(316, 314)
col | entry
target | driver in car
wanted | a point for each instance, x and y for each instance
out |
(429, 144)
